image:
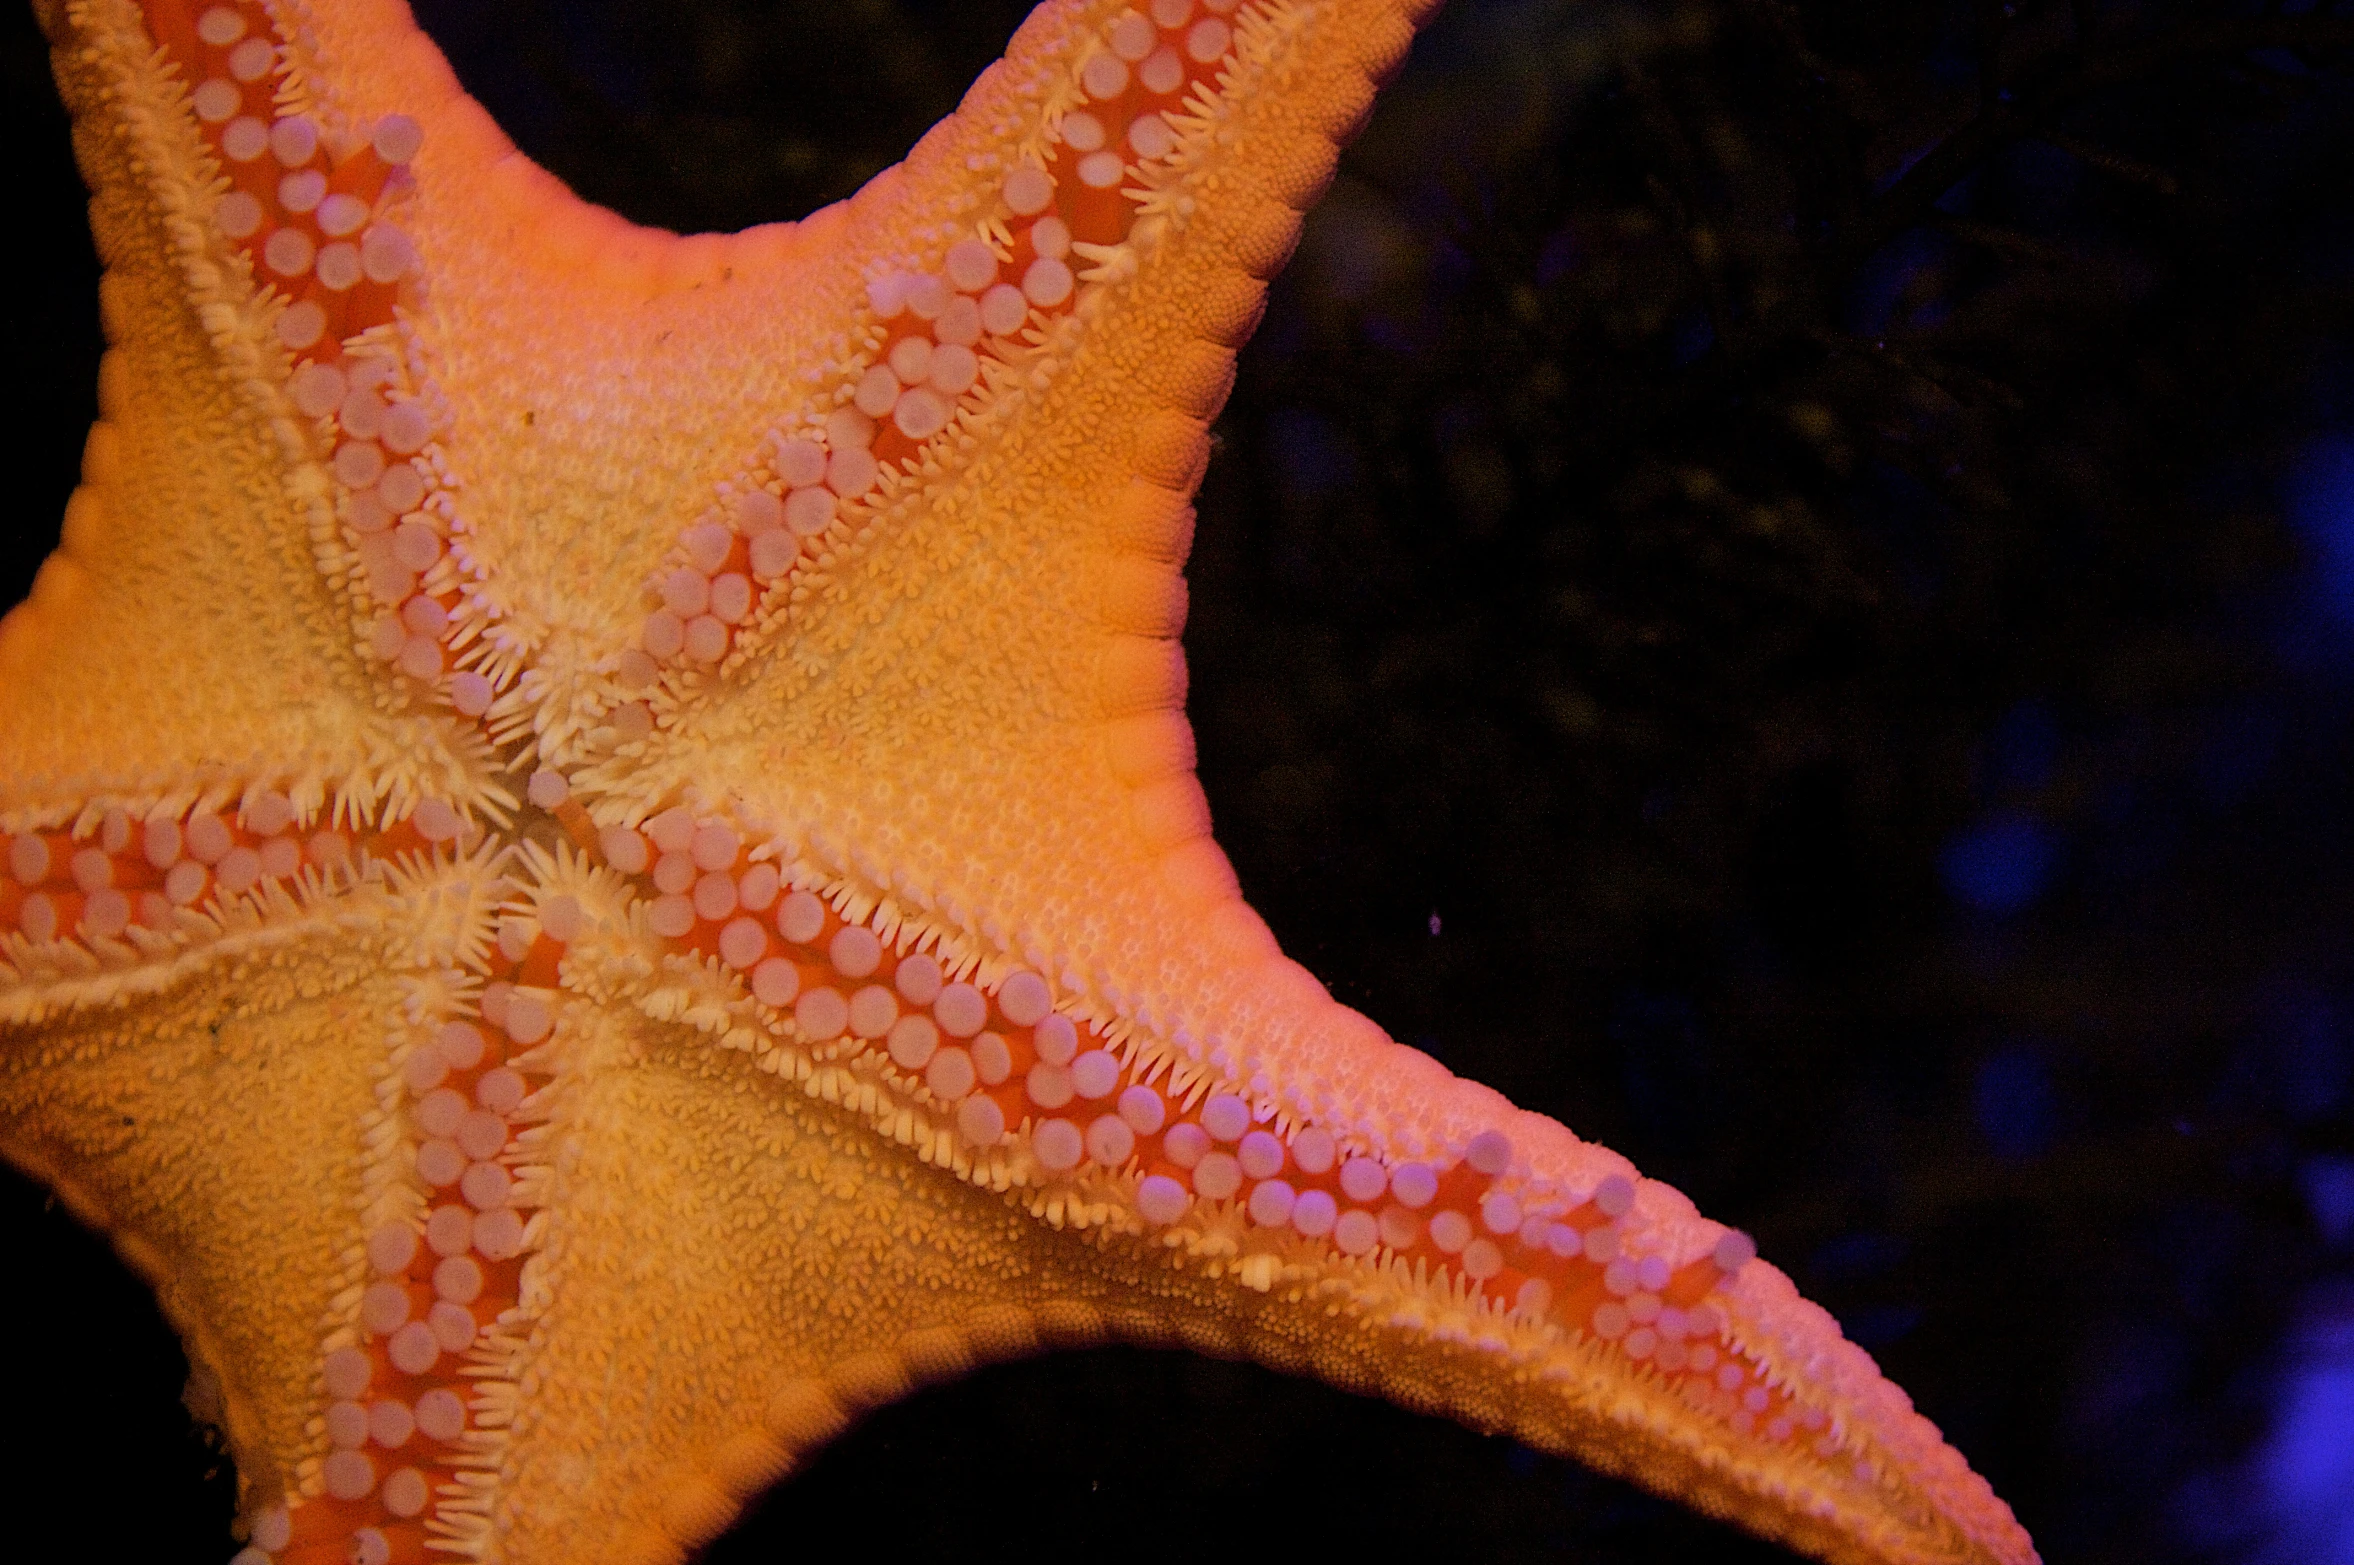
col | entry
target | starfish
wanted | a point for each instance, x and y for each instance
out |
(602, 864)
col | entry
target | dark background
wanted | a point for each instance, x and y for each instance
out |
(1779, 585)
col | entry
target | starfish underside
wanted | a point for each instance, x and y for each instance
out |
(602, 859)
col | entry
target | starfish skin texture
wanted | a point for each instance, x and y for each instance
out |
(389, 769)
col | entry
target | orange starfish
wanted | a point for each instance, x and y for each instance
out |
(667, 901)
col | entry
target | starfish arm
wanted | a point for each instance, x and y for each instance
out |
(245, 1221)
(852, 1277)
(551, 323)
(1012, 603)
(192, 635)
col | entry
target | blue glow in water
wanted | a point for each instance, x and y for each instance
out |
(1999, 865)
(2321, 507)
(2329, 1191)
(2013, 1101)
(2291, 1502)
(2308, 1065)
(2307, 1467)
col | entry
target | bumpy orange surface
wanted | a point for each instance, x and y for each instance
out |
(602, 865)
